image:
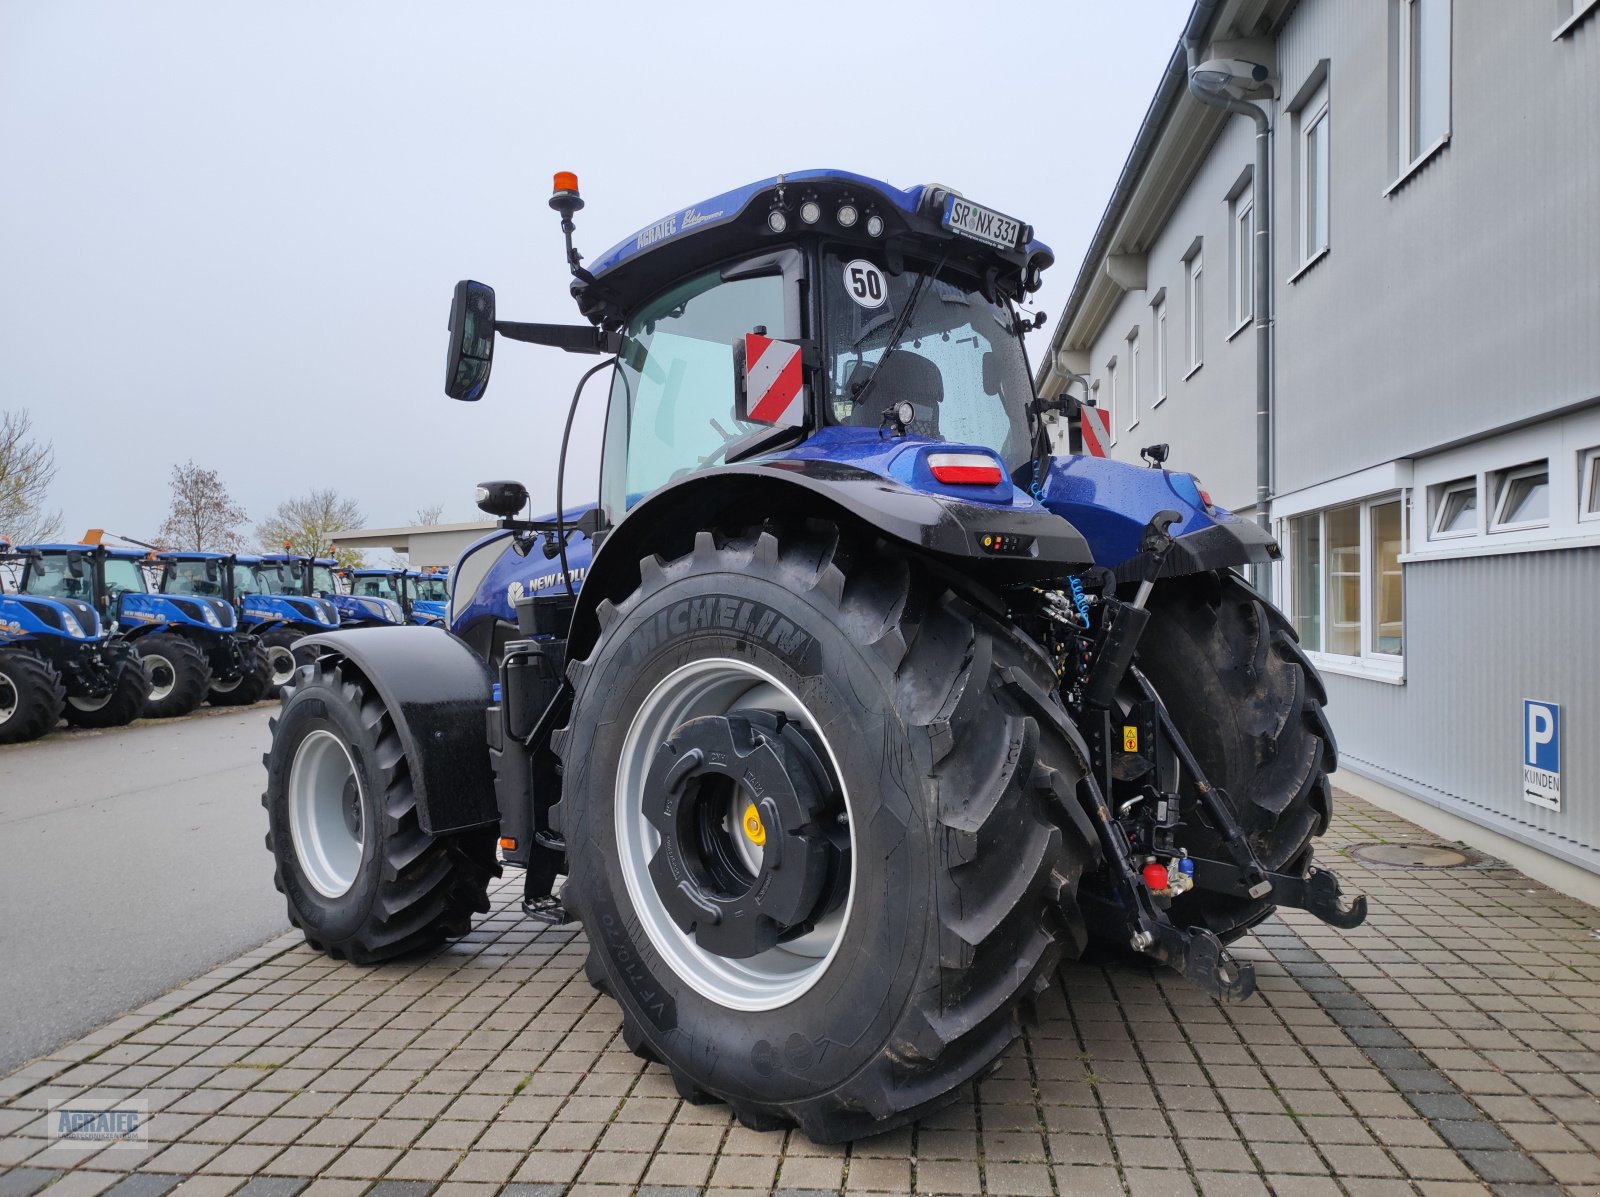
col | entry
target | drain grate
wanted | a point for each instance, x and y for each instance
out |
(1415, 856)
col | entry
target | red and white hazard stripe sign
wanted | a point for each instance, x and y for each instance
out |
(772, 390)
(1096, 425)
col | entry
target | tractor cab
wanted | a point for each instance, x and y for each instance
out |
(430, 596)
(391, 585)
(310, 576)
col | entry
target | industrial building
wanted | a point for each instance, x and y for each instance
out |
(1409, 392)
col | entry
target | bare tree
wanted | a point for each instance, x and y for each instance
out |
(26, 468)
(427, 517)
(307, 522)
(204, 516)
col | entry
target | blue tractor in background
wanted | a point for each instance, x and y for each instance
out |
(394, 586)
(429, 594)
(320, 577)
(274, 617)
(57, 657)
(849, 709)
(178, 640)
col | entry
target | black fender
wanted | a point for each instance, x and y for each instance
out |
(942, 527)
(437, 689)
(1223, 545)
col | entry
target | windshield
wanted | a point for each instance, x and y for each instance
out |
(429, 589)
(375, 586)
(50, 577)
(257, 579)
(124, 577)
(194, 577)
(322, 581)
(958, 364)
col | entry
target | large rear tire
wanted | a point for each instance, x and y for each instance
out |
(1231, 672)
(178, 672)
(31, 696)
(119, 708)
(944, 779)
(362, 879)
(254, 685)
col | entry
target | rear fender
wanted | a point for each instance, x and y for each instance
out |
(437, 690)
(935, 525)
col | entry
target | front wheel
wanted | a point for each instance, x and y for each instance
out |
(814, 817)
(31, 696)
(362, 879)
(251, 686)
(178, 672)
(283, 658)
(118, 708)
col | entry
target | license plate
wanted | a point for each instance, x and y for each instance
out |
(980, 223)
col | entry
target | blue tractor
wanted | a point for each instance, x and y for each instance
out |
(429, 594)
(321, 577)
(393, 587)
(272, 616)
(179, 641)
(850, 709)
(57, 657)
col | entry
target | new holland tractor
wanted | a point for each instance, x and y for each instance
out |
(319, 577)
(429, 592)
(396, 586)
(57, 657)
(186, 644)
(272, 615)
(849, 710)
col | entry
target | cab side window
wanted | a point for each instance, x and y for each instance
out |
(672, 395)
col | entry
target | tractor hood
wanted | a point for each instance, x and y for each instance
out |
(261, 608)
(25, 615)
(208, 614)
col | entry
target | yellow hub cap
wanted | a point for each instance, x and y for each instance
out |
(752, 826)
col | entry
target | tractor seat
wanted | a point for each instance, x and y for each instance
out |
(905, 377)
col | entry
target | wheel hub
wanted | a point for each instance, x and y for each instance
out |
(741, 802)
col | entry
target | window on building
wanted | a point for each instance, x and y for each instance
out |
(1158, 322)
(1455, 509)
(1422, 84)
(1522, 497)
(1111, 397)
(1346, 586)
(1312, 196)
(1193, 299)
(1133, 378)
(1589, 485)
(1241, 276)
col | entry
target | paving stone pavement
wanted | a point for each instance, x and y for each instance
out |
(1449, 1046)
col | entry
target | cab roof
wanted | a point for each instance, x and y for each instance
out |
(276, 558)
(736, 222)
(113, 551)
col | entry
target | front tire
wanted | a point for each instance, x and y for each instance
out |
(363, 881)
(178, 672)
(1242, 693)
(31, 696)
(119, 708)
(283, 658)
(251, 687)
(955, 896)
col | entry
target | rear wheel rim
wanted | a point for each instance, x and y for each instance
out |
(8, 699)
(163, 676)
(88, 704)
(281, 661)
(780, 975)
(327, 813)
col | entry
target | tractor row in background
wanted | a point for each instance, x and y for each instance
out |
(105, 634)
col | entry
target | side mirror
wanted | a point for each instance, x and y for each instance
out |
(212, 572)
(75, 565)
(466, 370)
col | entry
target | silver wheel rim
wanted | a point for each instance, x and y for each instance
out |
(8, 699)
(281, 661)
(226, 687)
(778, 976)
(327, 813)
(85, 704)
(155, 663)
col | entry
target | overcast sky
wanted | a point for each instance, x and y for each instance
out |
(228, 232)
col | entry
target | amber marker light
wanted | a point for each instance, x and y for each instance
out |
(565, 181)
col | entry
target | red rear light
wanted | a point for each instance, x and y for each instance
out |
(1205, 496)
(965, 469)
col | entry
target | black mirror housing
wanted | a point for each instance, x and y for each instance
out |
(471, 352)
(502, 499)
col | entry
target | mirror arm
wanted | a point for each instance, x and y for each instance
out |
(574, 338)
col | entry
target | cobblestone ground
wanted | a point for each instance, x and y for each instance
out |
(1449, 1046)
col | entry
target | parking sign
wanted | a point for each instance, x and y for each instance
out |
(1541, 753)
